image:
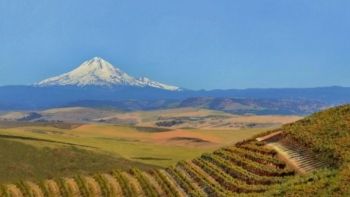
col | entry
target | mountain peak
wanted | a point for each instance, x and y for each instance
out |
(99, 61)
(99, 72)
(97, 58)
(97, 66)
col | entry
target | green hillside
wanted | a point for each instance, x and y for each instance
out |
(327, 133)
(22, 161)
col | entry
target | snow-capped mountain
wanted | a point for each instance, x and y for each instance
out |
(99, 72)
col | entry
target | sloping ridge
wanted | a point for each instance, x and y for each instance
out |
(296, 156)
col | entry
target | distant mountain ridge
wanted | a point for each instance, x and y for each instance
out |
(97, 83)
(230, 105)
(99, 72)
(276, 101)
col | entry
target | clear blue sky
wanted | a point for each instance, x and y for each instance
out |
(190, 43)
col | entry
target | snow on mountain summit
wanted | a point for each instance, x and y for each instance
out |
(99, 72)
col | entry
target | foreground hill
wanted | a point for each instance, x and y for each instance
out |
(248, 168)
(327, 133)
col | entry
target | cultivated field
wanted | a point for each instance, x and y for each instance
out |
(198, 118)
(92, 148)
(246, 168)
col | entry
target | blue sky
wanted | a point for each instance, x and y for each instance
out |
(197, 44)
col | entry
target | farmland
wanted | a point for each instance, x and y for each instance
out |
(62, 149)
(138, 160)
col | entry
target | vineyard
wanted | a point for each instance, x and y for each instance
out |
(248, 168)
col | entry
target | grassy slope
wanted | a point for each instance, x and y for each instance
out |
(21, 161)
(44, 151)
(328, 134)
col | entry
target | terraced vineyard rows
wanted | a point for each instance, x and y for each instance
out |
(302, 158)
(244, 169)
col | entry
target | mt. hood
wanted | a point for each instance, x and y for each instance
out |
(99, 72)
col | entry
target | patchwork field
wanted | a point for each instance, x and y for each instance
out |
(63, 148)
(177, 118)
(198, 118)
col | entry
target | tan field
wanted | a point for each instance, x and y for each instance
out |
(201, 118)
